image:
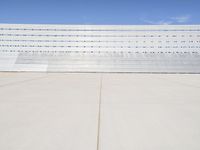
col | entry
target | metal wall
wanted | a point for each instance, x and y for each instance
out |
(98, 48)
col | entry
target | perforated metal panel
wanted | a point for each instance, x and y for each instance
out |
(95, 48)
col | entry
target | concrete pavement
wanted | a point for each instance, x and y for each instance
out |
(41, 111)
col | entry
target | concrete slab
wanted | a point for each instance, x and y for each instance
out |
(150, 112)
(137, 111)
(48, 111)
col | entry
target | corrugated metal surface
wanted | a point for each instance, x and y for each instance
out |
(98, 48)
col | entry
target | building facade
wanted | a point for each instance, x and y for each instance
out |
(100, 48)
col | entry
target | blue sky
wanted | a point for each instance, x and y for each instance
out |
(100, 11)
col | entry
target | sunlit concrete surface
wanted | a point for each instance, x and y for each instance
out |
(154, 112)
(40, 111)
(48, 111)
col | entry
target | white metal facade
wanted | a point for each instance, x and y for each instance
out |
(100, 48)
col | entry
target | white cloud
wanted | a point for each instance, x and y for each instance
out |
(160, 22)
(168, 21)
(181, 19)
